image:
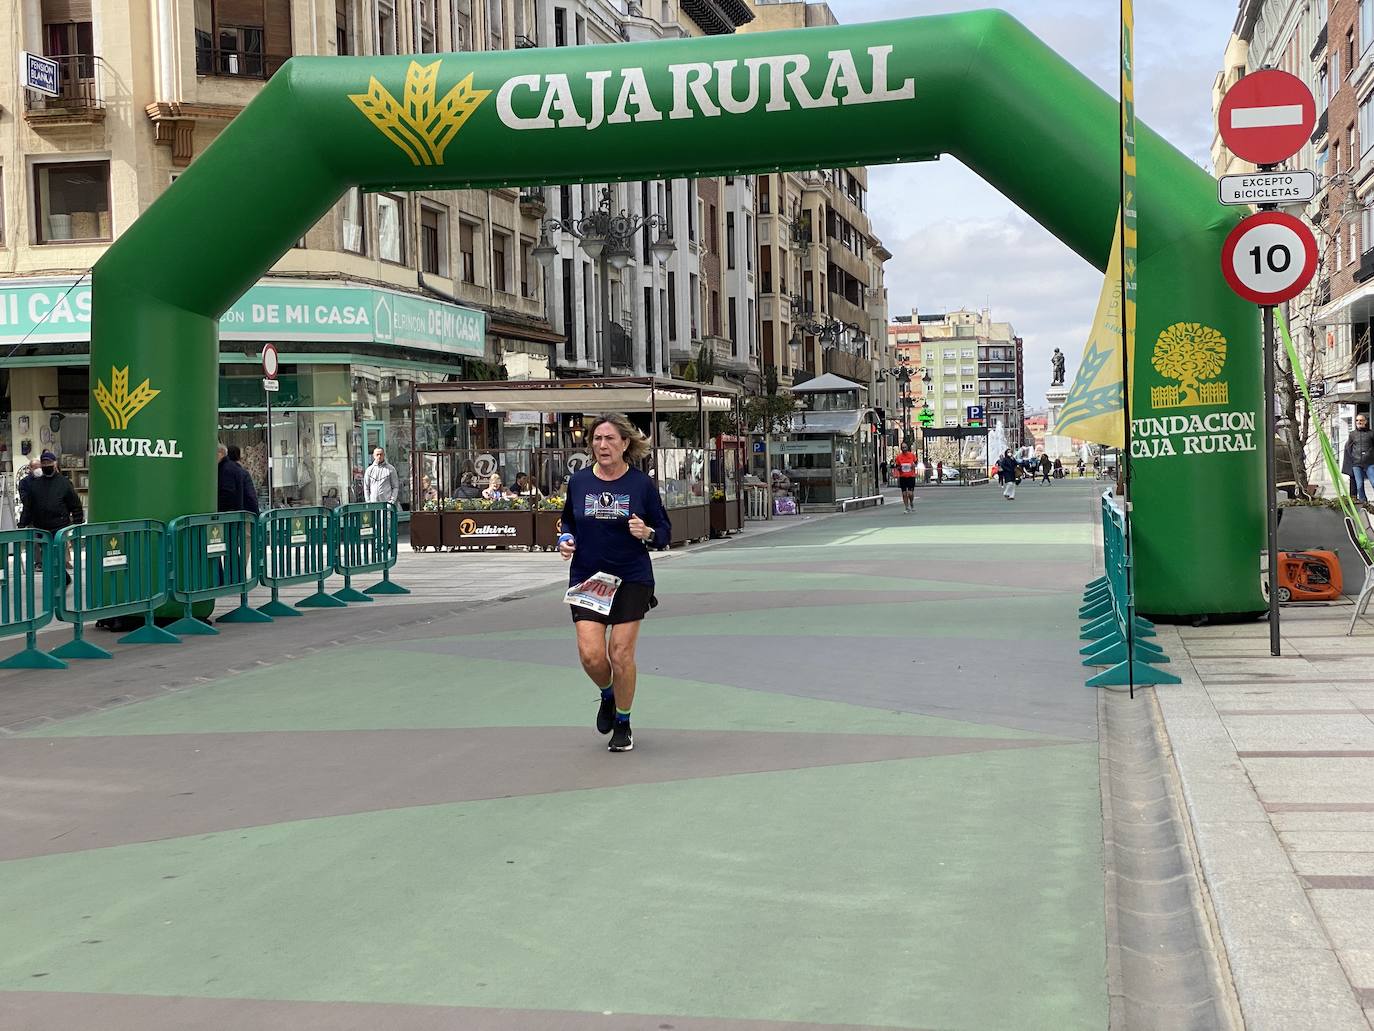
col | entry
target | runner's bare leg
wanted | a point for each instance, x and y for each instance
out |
(624, 639)
(591, 649)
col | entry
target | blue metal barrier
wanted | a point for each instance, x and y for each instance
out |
(1117, 636)
(212, 556)
(298, 545)
(28, 570)
(367, 543)
(118, 569)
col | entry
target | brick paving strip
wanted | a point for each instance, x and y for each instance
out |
(1279, 801)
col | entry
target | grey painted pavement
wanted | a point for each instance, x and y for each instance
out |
(1272, 753)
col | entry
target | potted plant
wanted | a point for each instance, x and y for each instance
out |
(477, 522)
(547, 516)
(425, 531)
(448, 522)
(725, 513)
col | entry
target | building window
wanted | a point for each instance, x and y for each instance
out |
(500, 257)
(494, 24)
(424, 18)
(1366, 18)
(729, 239)
(391, 244)
(749, 242)
(72, 201)
(343, 28)
(713, 232)
(527, 269)
(1354, 245)
(715, 313)
(251, 38)
(468, 249)
(459, 24)
(1365, 136)
(753, 331)
(672, 306)
(733, 327)
(433, 240)
(354, 222)
(560, 27)
(386, 26)
(765, 194)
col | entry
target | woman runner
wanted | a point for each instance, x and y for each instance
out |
(612, 516)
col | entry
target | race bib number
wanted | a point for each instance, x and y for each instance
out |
(907, 469)
(596, 593)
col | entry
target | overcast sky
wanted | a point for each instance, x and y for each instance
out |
(956, 242)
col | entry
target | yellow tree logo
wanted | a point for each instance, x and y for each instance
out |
(118, 404)
(1192, 354)
(421, 127)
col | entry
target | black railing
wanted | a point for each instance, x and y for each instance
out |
(244, 64)
(525, 43)
(78, 82)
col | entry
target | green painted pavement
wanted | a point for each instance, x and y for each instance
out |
(960, 892)
(425, 690)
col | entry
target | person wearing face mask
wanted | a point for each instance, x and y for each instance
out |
(50, 503)
(1359, 455)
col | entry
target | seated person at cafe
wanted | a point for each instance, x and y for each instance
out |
(467, 487)
(494, 491)
(524, 487)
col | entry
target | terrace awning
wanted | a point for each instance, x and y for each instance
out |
(586, 397)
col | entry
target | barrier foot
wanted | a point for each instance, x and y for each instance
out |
(189, 626)
(348, 594)
(1144, 628)
(386, 587)
(1138, 672)
(1100, 581)
(150, 633)
(245, 614)
(1101, 642)
(276, 607)
(1096, 595)
(1113, 652)
(80, 648)
(33, 658)
(1098, 627)
(1096, 610)
(321, 600)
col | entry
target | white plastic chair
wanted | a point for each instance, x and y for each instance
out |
(1367, 589)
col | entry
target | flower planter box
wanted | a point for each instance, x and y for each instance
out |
(726, 516)
(424, 530)
(489, 529)
(546, 529)
(678, 517)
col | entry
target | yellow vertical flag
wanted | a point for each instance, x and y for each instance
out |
(1093, 410)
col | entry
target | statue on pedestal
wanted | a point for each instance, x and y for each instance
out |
(1057, 362)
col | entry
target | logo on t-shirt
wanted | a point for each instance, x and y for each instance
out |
(607, 506)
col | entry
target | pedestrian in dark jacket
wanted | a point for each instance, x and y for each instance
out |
(1045, 467)
(50, 501)
(236, 490)
(1359, 455)
(1008, 471)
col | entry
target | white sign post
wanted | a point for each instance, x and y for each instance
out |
(270, 365)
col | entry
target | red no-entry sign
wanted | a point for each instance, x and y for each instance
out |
(1269, 258)
(1267, 117)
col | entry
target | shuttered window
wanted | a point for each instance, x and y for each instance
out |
(249, 38)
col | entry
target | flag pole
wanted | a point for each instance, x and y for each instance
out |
(1128, 250)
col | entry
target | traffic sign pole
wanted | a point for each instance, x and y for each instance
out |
(269, 371)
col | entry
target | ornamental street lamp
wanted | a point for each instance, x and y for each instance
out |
(828, 329)
(904, 374)
(607, 238)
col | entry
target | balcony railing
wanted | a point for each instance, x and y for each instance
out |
(81, 96)
(243, 64)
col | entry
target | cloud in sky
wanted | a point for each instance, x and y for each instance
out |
(956, 242)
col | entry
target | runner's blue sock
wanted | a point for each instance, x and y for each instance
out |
(608, 692)
(622, 715)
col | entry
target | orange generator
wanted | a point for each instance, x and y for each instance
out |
(1309, 576)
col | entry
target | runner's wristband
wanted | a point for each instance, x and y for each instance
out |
(564, 538)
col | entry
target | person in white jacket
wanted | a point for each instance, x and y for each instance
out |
(380, 482)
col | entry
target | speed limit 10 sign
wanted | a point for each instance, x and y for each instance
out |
(1269, 258)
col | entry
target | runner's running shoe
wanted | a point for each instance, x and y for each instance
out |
(605, 715)
(622, 740)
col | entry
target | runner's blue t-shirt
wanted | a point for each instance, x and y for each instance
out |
(597, 513)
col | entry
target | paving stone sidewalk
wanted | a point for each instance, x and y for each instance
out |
(1276, 760)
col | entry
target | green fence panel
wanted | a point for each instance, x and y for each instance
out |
(367, 544)
(118, 569)
(28, 572)
(1114, 632)
(298, 545)
(210, 556)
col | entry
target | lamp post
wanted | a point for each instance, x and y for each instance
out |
(829, 329)
(606, 237)
(904, 374)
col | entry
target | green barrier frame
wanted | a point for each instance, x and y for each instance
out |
(367, 543)
(27, 595)
(118, 569)
(298, 545)
(1109, 608)
(213, 556)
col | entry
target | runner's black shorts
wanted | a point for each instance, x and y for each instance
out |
(632, 603)
(906, 482)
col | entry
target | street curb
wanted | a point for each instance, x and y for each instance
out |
(1284, 969)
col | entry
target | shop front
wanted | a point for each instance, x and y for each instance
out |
(831, 454)
(351, 357)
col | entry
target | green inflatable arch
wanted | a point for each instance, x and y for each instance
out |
(976, 86)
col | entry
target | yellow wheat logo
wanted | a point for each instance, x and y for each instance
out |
(1190, 353)
(420, 127)
(117, 403)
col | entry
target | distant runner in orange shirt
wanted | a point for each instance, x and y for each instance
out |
(906, 479)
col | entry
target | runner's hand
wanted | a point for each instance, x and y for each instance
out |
(566, 549)
(639, 530)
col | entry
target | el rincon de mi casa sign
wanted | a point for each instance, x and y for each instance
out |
(975, 85)
(58, 312)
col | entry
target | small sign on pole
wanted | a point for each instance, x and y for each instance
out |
(270, 361)
(40, 74)
(1269, 258)
(1267, 116)
(1293, 187)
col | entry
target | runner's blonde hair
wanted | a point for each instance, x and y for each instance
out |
(636, 443)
